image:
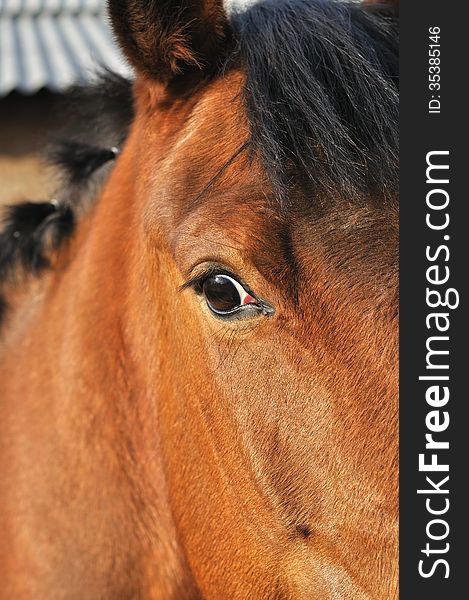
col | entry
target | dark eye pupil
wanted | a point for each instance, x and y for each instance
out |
(221, 293)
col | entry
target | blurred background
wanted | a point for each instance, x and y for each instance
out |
(45, 47)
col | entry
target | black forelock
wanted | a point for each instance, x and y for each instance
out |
(322, 93)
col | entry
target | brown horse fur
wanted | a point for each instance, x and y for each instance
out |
(150, 450)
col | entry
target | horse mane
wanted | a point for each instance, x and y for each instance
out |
(322, 93)
(32, 229)
(321, 96)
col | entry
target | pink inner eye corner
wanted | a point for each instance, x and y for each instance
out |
(248, 299)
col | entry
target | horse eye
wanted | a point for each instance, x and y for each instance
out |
(224, 295)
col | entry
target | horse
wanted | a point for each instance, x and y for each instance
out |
(198, 364)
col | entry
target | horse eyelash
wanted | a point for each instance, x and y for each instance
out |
(197, 281)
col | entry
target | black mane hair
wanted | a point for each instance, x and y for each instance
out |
(321, 97)
(30, 231)
(96, 123)
(322, 93)
(97, 119)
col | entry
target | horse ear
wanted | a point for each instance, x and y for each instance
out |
(166, 38)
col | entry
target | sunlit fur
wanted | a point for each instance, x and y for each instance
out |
(150, 450)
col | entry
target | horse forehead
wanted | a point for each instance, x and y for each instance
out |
(239, 226)
(237, 219)
(191, 141)
(218, 104)
(359, 243)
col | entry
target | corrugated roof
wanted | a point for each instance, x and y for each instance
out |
(54, 43)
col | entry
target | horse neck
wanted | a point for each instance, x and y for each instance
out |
(84, 436)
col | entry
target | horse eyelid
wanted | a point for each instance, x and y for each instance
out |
(198, 279)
